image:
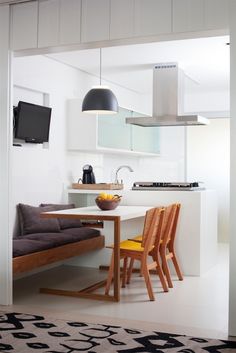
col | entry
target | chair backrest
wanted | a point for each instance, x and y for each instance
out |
(152, 228)
(174, 226)
(147, 223)
(170, 223)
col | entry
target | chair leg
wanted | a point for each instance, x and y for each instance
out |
(177, 268)
(147, 278)
(124, 273)
(110, 274)
(131, 264)
(161, 274)
(165, 268)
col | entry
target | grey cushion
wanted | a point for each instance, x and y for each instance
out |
(28, 246)
(54, 239)
(31, 243)
(69, 235)
(64, 222)
(31, 222)
(82, 233)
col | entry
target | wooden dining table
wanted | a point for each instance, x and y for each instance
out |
(121, 213)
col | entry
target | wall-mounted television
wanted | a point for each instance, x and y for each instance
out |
(32, 122)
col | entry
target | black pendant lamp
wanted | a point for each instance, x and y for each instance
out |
(100, 99)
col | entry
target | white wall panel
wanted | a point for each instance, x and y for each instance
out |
(208, 161)
(48, 23)
(152, 17)
(5, 138)
(24, 26)
(232, 274)
(122, 19)
(70, 21)
(95, 20)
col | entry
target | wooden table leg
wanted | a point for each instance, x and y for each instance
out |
(87, 292)
(117, 259)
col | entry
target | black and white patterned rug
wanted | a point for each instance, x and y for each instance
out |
(27, 333)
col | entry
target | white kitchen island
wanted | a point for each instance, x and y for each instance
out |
(196, 239)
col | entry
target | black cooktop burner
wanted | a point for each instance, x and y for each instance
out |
(165, 185)
(156, 185)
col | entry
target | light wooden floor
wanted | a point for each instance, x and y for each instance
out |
(197, 306)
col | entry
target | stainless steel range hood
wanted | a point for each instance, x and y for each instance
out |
(168, 83)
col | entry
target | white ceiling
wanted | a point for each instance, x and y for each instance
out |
(205, 60)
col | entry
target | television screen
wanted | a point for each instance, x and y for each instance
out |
(32, 122)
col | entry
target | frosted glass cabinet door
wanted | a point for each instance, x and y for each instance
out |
(145, 139)
(113, 132)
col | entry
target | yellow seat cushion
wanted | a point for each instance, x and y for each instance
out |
(129, 245)
(137, 238)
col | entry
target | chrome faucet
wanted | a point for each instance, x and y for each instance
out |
(118, 169)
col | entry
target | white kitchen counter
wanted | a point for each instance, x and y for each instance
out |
(196, 239)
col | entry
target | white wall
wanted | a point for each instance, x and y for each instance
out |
(208, 158)
(5, 127)
(39, 174)
(232, 272)
(168, 167)
(209, 101)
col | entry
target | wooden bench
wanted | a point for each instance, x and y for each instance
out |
(41, 258)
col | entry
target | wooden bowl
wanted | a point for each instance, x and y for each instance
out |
(107, 205)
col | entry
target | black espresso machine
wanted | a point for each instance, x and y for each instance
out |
(88, 175)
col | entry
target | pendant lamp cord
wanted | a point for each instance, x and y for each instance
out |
(100, 66)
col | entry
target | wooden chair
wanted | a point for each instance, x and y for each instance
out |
(167, 247)
(140, 251)
(147, 222)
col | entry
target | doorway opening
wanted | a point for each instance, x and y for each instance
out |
(198, 154)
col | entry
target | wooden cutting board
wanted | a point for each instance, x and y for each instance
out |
(100, 186)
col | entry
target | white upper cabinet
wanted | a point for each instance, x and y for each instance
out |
(122, 19)
(24, 26)
(200, 15)
(152, 17)
(59, 22)
(49, 23)
(95, 20)
(110, 134)
(48, 28)
(188, 15)
(70, 21)
(216, 14)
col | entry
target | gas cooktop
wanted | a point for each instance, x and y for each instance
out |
(142, 185)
